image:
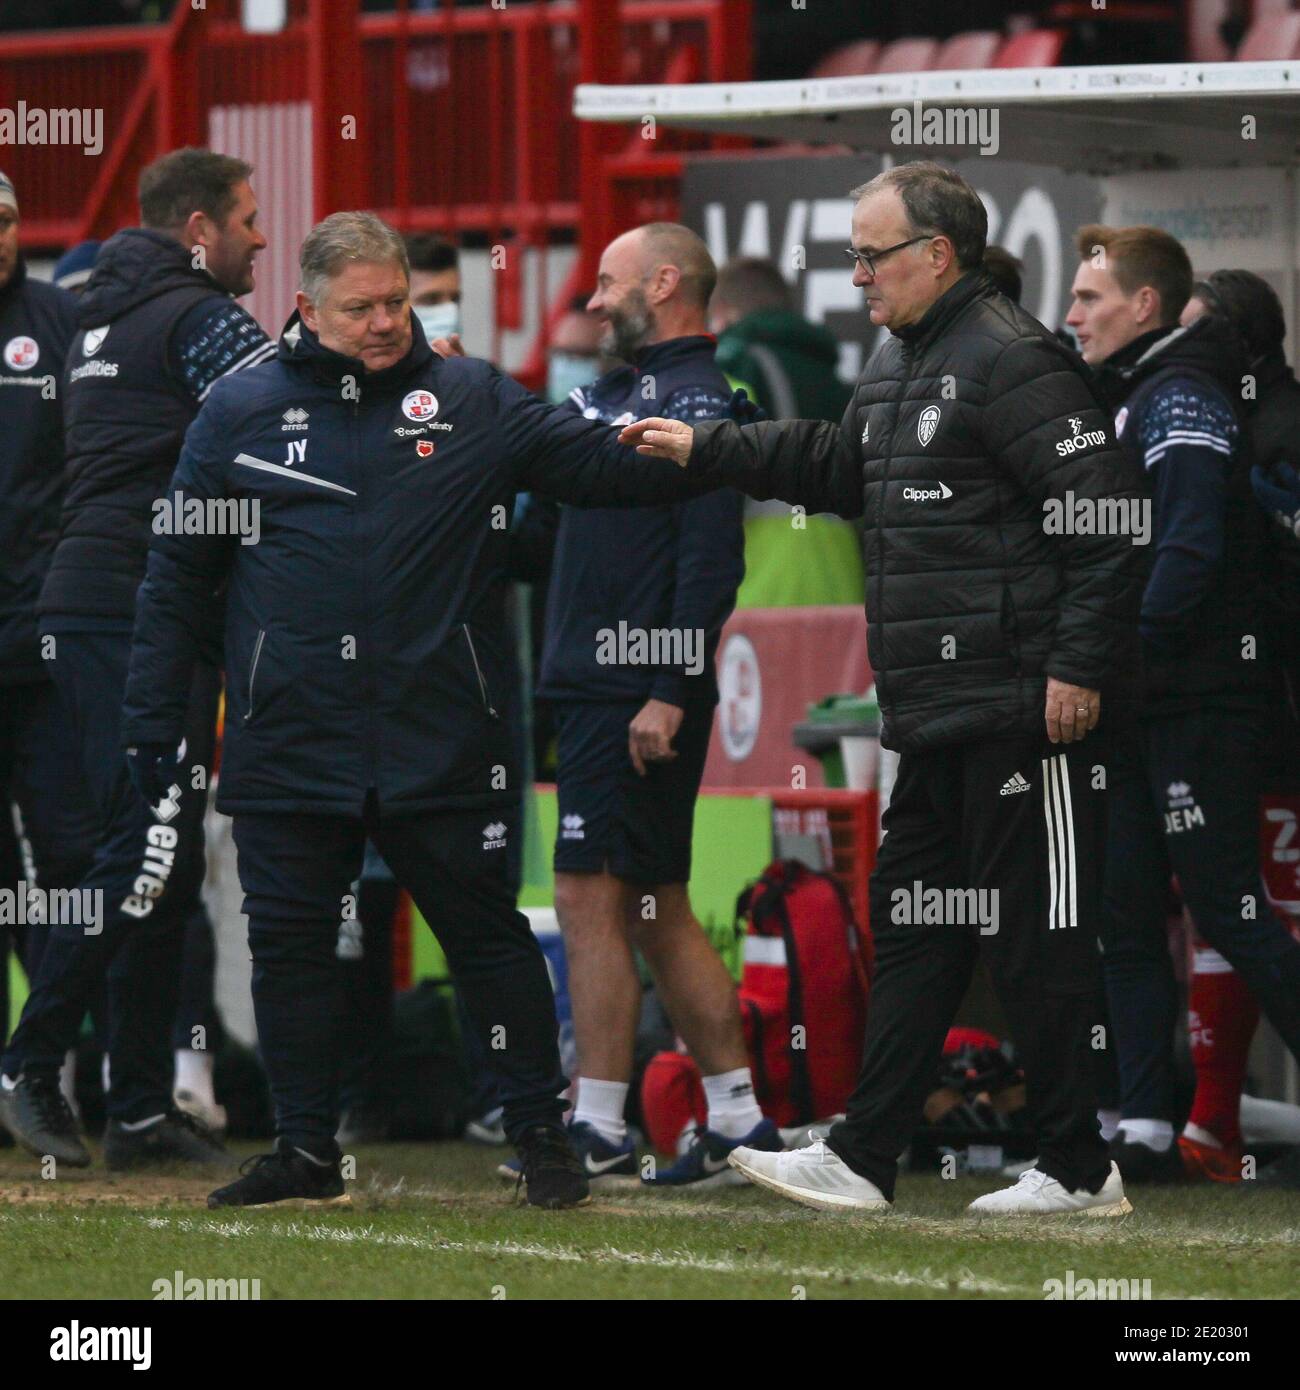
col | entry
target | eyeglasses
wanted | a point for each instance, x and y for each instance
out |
(867, 259)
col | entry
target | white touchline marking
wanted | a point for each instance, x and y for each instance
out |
(964, 1281)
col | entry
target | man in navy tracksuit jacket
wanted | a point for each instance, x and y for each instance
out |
(156, 331)
(1185, 781)
(365, 659)
(39, 770)
(633, 723)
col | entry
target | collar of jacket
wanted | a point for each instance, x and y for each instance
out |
(133, 267)
(300, 347)
(1207, 346)
(945, 310)
(1270, 370)
(14, 283)
(673, 351)
(653, 361)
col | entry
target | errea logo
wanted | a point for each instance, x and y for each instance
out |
(295, 418)
(494, 835)
(571, 828)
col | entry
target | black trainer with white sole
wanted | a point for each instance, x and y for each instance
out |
(39, 1117)
(286, 1175)
(173, 1140)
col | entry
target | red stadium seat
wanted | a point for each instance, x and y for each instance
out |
(908, 55)
(1036, 48)
(975, 49)
(850, 60)
(1272, 37)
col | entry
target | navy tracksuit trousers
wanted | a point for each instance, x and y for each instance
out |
(1184, 800)
(148, 866)
(297, 870)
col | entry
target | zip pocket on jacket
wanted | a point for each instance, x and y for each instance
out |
(252, 672)
(478, 671)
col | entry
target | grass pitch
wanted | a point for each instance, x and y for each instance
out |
(433, 1221)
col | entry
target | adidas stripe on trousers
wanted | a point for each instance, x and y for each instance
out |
(1021, 822)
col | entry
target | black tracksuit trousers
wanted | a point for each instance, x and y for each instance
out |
(1020, 821)
(297, 869)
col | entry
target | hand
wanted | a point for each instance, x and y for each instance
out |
(152, 767)
(664, 439)
(1278, 492)
(449, 347)
(650, 735)
(1072, 711)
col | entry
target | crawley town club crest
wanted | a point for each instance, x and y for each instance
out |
(22, 354)
(419, 405)
(927, 424)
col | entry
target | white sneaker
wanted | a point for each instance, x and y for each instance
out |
(207, 1112)
(1038, 1195)
(815, 1176)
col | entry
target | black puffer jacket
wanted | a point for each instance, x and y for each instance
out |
(966, 432)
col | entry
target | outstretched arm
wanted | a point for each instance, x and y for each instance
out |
(807, 463)
(580, 461)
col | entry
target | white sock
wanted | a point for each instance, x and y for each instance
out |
(600, 1105)
(104, 1074)
(68, 1078)
(1109, 1122)
(1155, 1134)
(194, 1074)
(1202, 1136)
(733, 1111)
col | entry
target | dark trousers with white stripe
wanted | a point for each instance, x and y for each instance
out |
(1021, 822)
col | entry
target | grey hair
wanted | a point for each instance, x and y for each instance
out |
(938, 201)
(344, 237)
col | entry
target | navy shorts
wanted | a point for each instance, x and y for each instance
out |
(637, 828)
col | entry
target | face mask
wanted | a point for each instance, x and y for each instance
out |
(565, 371)
(438, 320)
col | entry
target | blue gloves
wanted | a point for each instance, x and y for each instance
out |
(1278, 492)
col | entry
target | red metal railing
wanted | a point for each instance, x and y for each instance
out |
(463, 116)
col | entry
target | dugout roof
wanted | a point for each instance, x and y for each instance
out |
(1098, 120)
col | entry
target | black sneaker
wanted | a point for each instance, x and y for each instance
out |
(1139, 1163)
(174, 1139)
(550, 1171)
(363, 1124)
(38, 1115)
(287, 1175)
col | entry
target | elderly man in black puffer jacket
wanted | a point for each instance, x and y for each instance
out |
(1005, 571)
